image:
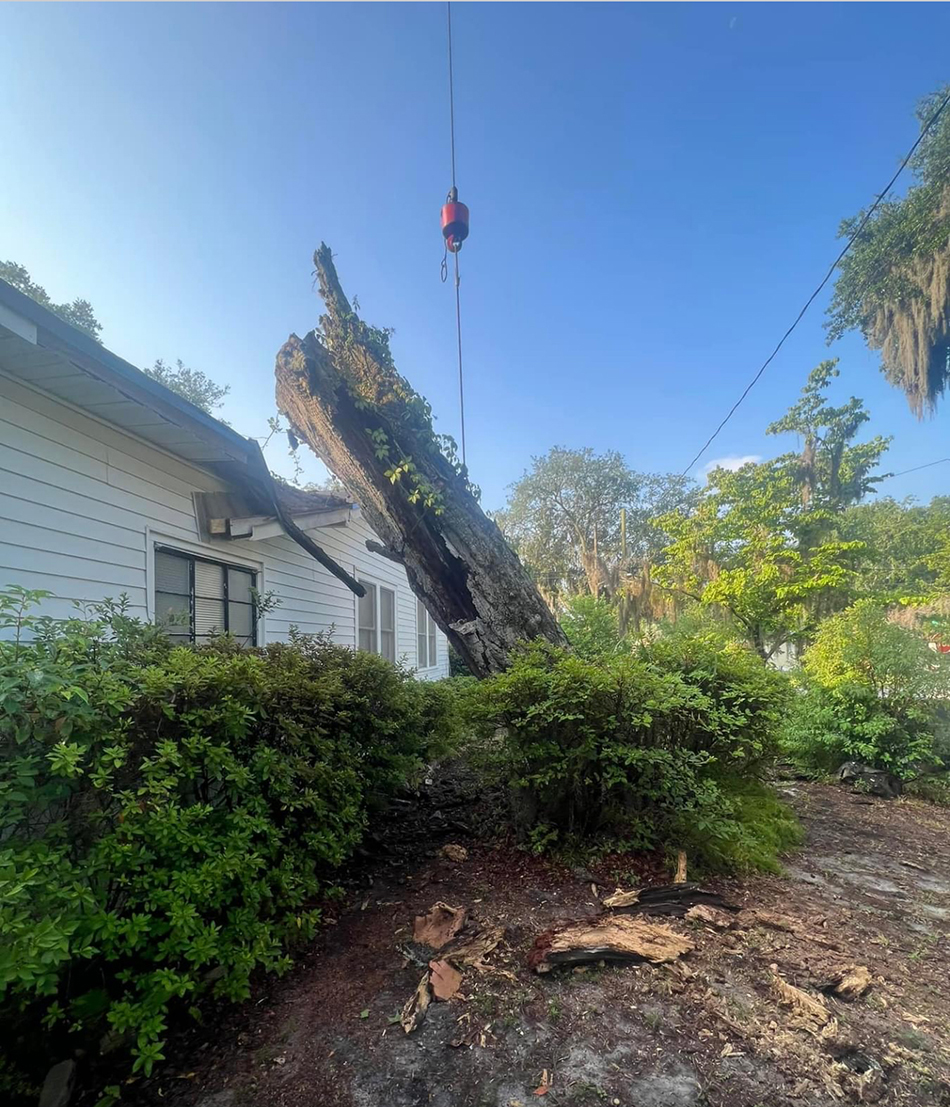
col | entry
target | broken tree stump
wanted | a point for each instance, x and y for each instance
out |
(607, 938)
(341, 393)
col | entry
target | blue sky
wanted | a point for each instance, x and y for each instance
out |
(655, 189)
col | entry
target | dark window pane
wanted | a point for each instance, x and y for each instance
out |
(387, 644)
(367, 640)
(239, 585)
(240, 621)
(173, 613)
(421, 641)
(171, 573)
(387, 609)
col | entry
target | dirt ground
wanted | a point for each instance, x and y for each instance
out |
(870, 887)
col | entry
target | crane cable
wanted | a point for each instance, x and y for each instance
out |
(458, 300)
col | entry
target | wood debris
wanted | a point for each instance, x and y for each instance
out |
(680, 877)
(849, 983)
(437, 928)
(712, 916)
(619, 898)
(809, 1008)
(416, 1006)
(444, 979)
(474, 950)
(454, 852)
(775, 921)
(545, 1084)
(666, 899)
(607, 938)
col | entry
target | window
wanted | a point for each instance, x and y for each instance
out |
(196, 599)
(425, 638)
(376, 617)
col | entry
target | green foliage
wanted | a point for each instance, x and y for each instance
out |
(79, 313)
(871, 691)
(592, 627)
(651, 749)
(906, 548)
(196, 387)
(171, 818)
(892, 284)
(763, 543)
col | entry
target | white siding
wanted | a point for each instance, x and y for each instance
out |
(83, 505)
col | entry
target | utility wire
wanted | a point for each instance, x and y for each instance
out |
(917, 468)
(834, 265)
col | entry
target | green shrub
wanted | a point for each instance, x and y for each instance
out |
(870, 691)
(592, 627)
(654, 749)
(170, 818)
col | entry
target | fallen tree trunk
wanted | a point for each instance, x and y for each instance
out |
(606, 938)
(342, 395)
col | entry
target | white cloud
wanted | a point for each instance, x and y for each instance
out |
(731, 463)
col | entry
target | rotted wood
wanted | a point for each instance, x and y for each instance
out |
(344, 398)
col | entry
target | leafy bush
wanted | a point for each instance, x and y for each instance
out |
(870, 691)
(170, 818)
(592, 627)
(654, 749)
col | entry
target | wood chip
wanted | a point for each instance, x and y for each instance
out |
(712, 916)
(805, 1005)
(439, 926)
(474, 951)
(849, 983)
(545, 1084)
(445, 980)
(622, 899)
(416, 1006)
(607, 938)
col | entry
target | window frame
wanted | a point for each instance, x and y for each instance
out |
(378, 587)
(428, 631)
(191, 558)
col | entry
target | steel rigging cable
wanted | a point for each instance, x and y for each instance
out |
(454, 228)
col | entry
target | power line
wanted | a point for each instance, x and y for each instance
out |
(917, 468)
(834, 265)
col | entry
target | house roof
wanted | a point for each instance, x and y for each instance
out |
(43, 350)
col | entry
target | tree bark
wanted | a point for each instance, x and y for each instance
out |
(343, 396)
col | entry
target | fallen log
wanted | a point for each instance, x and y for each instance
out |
(606, 938)
(343, 396)
(666, 899)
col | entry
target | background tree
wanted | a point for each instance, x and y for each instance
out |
(894, 283)
(903, 547)
(764, 543)
(196, 387)
(79, 312)
(580, 520)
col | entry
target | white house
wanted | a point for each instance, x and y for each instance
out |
(110, 484)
